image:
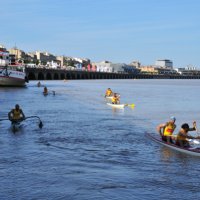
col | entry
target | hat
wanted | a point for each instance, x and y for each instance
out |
(172, 118)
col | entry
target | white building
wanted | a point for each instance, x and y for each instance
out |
(104, 66)
(164, 63)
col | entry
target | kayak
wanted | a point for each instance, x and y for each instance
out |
(109, 97)
(194, 151)
(120, 106)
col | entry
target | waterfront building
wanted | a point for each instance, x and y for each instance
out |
(20, 55)
(61, 59)
(44, 57)
(54, 64)
(124, 68)
(149, 69)
(188, 71)
(4, 56)
(104, 66)
(165, 63)
(136, 64)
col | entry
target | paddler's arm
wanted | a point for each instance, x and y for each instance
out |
(194, 127)
(160, 127)
(23, 116)
(10, 115)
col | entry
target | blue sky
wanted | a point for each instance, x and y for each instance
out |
(113, 30)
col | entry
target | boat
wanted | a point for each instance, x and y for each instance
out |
(120, 106)
(194, 151)
(11, 75)
(108, 97)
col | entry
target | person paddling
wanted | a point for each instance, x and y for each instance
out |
(108, 92)
(166, 130)
(16, 114)
(182, 137)
(116, 99)
(39, 84)
(45, 92)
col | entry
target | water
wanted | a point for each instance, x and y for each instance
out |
(86, 150)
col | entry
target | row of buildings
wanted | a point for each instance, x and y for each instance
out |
(47, 60)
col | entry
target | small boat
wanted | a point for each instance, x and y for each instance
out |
(108, 97)
(120, 106)
(194, 151)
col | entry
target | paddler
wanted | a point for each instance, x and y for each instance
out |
(182, 137)
(108, 92)
(45, 90)
(166, 130)
(116, 99)
(16, 114)
(39, 84)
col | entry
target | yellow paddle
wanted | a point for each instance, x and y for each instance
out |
(130, 105)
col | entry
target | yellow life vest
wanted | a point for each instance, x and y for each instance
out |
(114, 99)
(16, 114)
(169, 129)
(108, 92)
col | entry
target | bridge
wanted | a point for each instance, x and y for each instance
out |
(60, 74)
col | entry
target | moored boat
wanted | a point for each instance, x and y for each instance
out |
(194, 151)
(10, 75)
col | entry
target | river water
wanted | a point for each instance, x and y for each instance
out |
(87, 150)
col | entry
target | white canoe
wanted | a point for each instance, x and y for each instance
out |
(116, 105)
(190, 151)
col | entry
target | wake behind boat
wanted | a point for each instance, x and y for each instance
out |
(194, 151)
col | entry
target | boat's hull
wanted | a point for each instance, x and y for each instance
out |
(10, 76)
(189, 151)
(11, 81)
(120, 106)
(109, 97)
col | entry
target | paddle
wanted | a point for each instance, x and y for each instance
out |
(4, 119)
(40, 121)
(195, 141)
(130, 105)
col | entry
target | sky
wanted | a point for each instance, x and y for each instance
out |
(119, 31)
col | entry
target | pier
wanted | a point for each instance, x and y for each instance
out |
(60, 74)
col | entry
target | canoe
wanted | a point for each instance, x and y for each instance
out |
(194, 151)
(120, 106)
(109, 97)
